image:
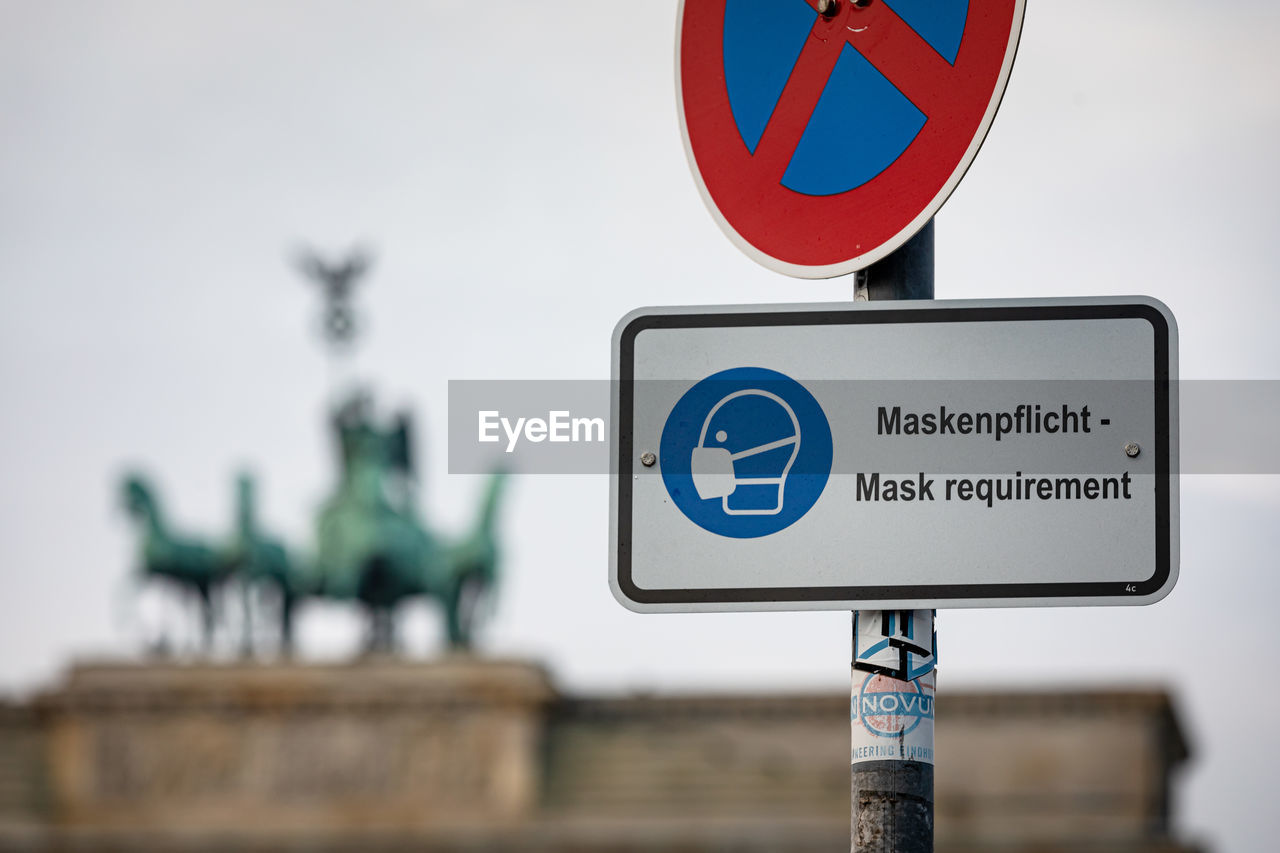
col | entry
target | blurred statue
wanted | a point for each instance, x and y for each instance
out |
(260, 561)
(194, 567)
(372, 546)
(338, 281)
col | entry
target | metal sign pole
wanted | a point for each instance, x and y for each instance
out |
(893, 677)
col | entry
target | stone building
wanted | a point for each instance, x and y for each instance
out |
(468, 755)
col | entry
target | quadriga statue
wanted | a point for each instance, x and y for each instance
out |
(372, 546)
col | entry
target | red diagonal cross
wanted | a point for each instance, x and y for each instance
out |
(885, 40)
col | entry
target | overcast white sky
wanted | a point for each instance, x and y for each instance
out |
(518, 168)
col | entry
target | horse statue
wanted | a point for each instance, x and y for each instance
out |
(190, 564)
(371, 544)
(471, 568)
(260, 561)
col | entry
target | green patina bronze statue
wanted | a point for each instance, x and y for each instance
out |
(193, 566)
(372, 546)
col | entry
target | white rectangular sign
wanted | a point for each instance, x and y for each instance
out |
(895, 455)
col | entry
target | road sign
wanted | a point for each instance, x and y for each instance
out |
(895, 455)
(732, 449)
(822, 143)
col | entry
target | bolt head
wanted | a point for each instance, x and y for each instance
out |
(1132, 449)
(648, 459)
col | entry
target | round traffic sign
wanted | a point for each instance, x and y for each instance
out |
(746, 452)
(822, 142)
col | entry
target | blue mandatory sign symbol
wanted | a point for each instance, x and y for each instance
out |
(746, 452)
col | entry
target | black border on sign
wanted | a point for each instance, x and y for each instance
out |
(933, 592)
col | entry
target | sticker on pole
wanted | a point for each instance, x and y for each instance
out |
(823, 140)
(891, 720)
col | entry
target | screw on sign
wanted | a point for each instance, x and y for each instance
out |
(825, 133)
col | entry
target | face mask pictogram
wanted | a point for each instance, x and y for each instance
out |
(755, 474)
(745, 452)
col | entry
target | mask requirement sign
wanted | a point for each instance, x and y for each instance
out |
(895, 455)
